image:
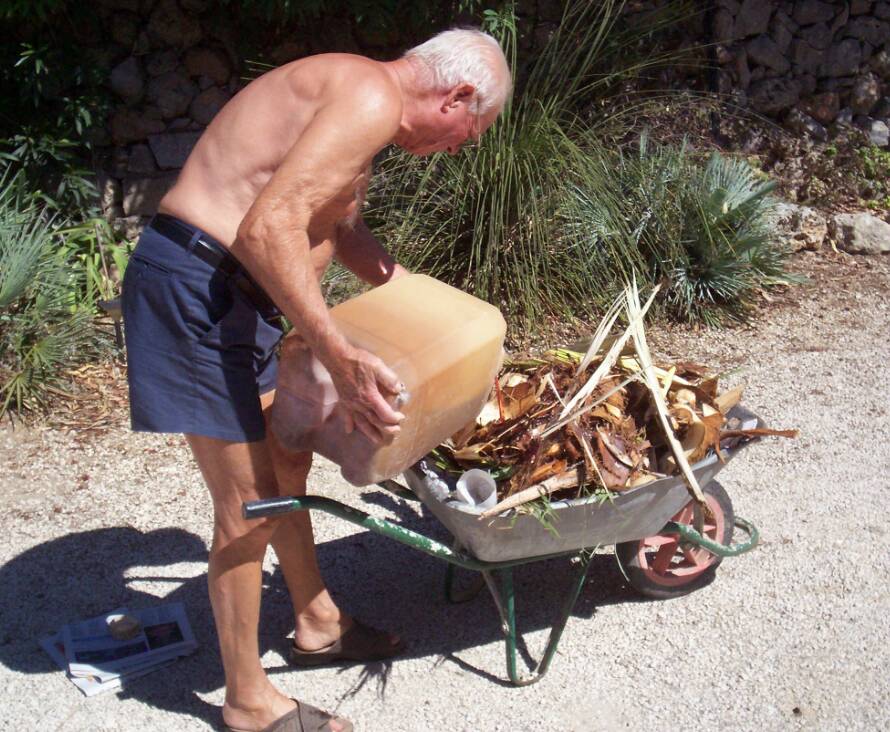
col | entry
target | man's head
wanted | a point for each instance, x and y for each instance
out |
(465, 82)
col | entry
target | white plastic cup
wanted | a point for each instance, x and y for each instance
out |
(477, 489)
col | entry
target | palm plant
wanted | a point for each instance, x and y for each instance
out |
(726, 249)
(42, 328)
(660, 215)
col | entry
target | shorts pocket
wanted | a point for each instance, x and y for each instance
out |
(235, 325)
(144, 263)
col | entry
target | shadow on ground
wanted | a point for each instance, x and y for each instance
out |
(386, 584)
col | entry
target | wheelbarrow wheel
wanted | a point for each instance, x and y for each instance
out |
(663, 566)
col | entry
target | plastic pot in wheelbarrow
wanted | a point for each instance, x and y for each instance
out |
(575, 523)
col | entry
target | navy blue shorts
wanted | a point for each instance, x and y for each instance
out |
(199, 351)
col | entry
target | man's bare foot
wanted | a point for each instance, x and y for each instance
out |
(312, 632)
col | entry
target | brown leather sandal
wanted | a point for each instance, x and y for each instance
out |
(360, 643)
(304, 718)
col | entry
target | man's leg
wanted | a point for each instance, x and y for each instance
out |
(237, 472)
(318, 621)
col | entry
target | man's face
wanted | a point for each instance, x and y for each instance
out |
(449, 128)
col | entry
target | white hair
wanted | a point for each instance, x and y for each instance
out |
(461, 56)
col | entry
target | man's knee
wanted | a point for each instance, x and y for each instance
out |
(291, 471)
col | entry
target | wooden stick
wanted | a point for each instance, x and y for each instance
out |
(497, 389)
(551, 485)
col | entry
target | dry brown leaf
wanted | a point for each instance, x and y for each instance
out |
(614, 443)
(519, 396)
(614, 473)
(708, 387)
(642, 479)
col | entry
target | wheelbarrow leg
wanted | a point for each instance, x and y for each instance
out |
(505, 600)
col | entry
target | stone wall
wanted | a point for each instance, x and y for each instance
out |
(809, 63)
(172, 64)
(171, 67)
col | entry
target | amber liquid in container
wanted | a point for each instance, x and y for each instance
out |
(445, 345)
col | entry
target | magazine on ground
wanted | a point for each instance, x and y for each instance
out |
(96, 661)
(92, 685)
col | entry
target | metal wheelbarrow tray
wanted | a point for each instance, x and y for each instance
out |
(651, 525)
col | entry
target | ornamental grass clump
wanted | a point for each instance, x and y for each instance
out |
(547, 215)
(490, 220)
(662, 214)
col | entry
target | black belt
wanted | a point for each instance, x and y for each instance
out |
(208, 250)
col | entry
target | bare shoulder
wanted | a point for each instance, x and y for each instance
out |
(352, 84)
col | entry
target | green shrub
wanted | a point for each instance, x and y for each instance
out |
(43, 327)
(662, 214)
(54, 96)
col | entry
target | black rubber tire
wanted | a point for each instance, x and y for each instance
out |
(627, 554)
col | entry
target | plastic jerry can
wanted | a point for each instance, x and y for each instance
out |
(446, 347)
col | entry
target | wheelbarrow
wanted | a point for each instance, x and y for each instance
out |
(665, 544)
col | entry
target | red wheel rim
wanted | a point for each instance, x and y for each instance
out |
(665, 562)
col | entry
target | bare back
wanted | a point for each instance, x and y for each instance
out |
(248, 140)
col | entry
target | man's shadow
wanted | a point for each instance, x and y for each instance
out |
(383, 583)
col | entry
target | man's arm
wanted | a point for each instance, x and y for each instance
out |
(360, 252)
(273, 242)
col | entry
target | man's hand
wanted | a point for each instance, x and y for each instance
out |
(364, 384)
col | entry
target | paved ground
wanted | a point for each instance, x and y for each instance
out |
(791, 636)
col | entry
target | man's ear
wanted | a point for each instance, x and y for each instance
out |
(461, 93)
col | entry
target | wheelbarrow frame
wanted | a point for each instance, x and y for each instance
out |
(498, 575)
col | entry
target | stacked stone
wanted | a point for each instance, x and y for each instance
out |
(172, 67)
(810, 63)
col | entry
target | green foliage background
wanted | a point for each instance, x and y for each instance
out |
(559, 204)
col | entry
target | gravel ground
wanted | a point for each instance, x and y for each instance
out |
(791, 636)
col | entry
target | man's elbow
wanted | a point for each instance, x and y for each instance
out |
(265, 229)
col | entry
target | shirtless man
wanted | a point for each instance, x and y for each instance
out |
(267, 198)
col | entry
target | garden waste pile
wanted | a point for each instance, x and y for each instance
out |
(609, 419)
